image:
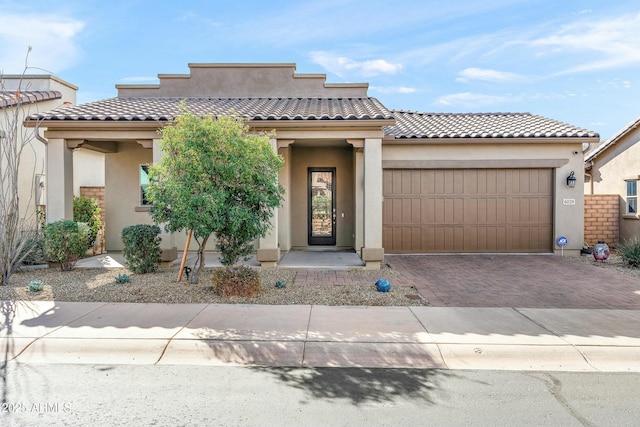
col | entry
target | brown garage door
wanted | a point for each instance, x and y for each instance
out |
(467, 210)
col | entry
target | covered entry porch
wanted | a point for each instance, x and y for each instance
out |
(328, 181)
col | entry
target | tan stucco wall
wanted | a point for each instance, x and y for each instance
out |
(610, 169)
(122, 190)
(306, 157)
(88, 169)
(563, 158)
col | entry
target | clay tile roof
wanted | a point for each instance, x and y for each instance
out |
(11, 98)
(411, 124)
(166, 109)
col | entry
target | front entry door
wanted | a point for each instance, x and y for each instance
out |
(322, 206)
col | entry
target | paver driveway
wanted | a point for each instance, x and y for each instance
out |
(536, 281)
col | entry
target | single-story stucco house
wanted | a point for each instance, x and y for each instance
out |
(613, 168)
(356, 174)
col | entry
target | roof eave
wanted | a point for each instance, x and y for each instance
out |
(389, 139)
(613, 140)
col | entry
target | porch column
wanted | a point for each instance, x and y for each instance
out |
(268, 254)
(59, 181)
(284, 212)
(372, 252)
(358, 193)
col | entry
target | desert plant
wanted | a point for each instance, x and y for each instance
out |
(236, 281)
(65, 241)
(630, 252)
(122, 278)
(16, 226)
(142, 247)
(35, 285)
(35, 255)
(281, 284)
(88, 211)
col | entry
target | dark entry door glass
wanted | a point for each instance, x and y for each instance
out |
(322, 206)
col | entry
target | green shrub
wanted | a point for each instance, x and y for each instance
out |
(142, 247)
(65, 241)
(236, 281)
(630, 252)
(88, 211)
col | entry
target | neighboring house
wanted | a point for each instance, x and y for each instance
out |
(34, 93)
(356, 174)
(613, 168)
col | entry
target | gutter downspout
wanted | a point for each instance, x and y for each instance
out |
(589, 166)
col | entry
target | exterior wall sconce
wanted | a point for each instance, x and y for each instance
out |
(571, 180)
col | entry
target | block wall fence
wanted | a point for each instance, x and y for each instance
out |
(602, 218)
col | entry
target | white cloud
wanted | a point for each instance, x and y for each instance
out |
(52, 38)
(488, 75)
(612, 43)
(341, 65)
(468, 99)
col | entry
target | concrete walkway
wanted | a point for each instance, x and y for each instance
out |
(322, 336)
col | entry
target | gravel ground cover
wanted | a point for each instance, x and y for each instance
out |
(99, 285)
(613, 263)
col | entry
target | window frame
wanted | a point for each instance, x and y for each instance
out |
(143, 186)
(631, 197)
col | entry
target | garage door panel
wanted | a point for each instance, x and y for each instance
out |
(470, 211)
(494, 210)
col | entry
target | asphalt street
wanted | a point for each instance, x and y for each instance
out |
(108, 395)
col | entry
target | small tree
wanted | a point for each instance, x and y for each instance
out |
(18, 230)
(216, 177)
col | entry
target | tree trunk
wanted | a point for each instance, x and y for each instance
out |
(198, 267)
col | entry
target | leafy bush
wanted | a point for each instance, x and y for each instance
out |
(236, 281)
(88, 211)
(630, 252)
(122, 278)
(65, 241)
(142, 247)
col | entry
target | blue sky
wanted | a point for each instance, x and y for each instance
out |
(574, 61)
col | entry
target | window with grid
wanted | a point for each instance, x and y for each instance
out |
(632, 197)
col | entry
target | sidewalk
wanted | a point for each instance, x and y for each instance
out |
(322, 336)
